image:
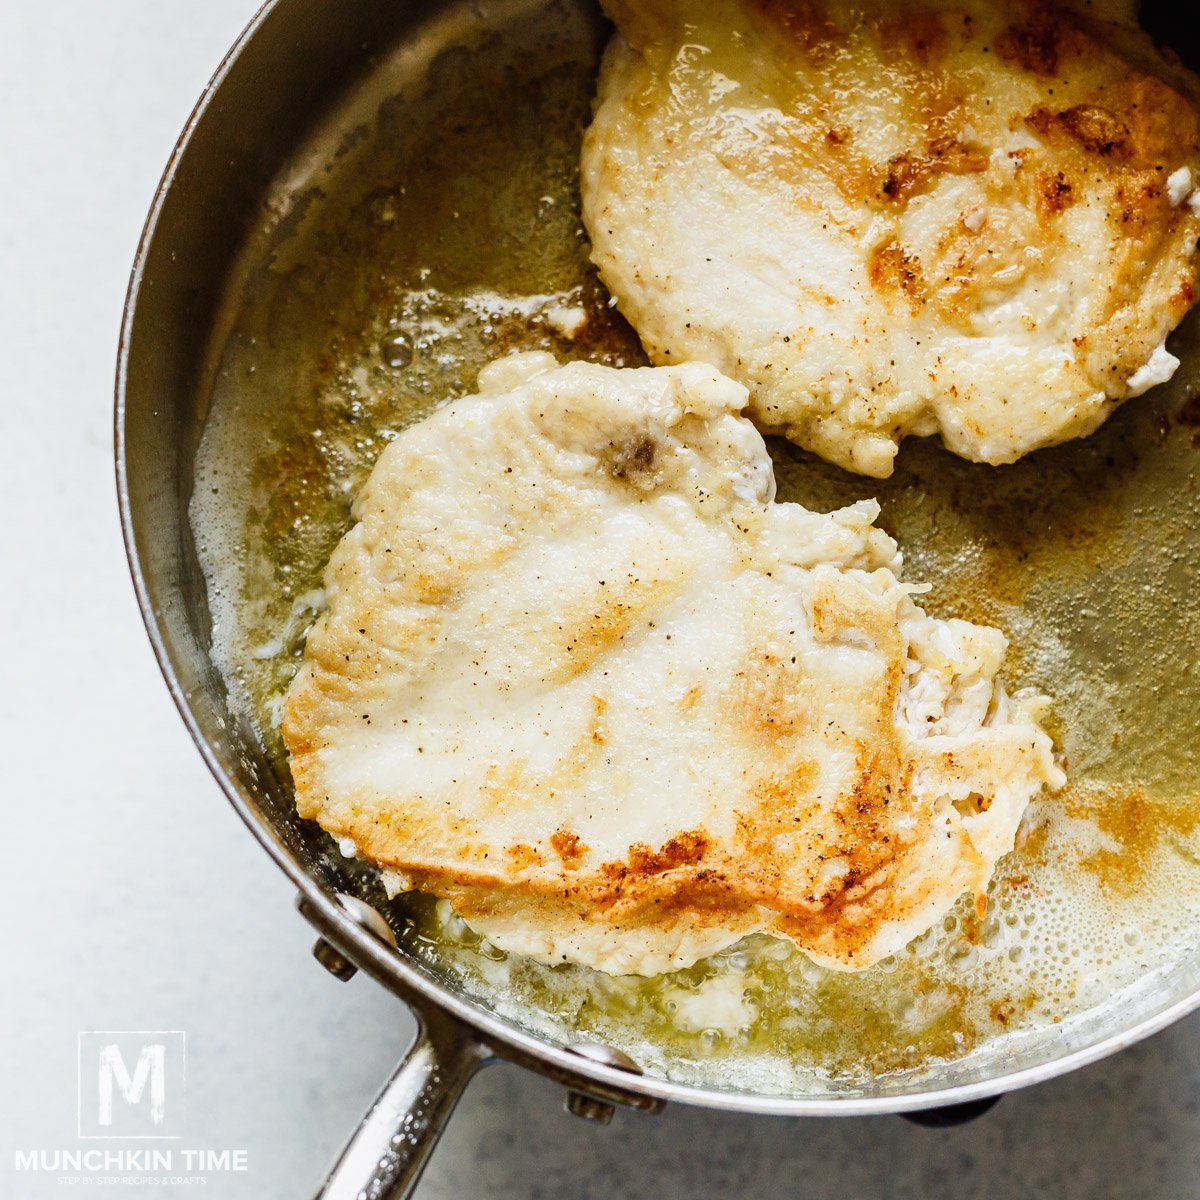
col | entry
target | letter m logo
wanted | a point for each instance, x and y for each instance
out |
(131, 1083)
(151, 1065)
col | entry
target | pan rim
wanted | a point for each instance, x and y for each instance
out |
(393, 969)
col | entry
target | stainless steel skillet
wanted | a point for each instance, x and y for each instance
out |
(285, 112)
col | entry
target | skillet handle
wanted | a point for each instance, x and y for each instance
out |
(388, 1152)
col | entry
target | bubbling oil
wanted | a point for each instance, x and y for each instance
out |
(449, 234)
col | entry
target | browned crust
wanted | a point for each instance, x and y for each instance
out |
(1096, 129)
(710, 880)
(569, 847)
(1109, 147)
(896, 275)
(1044, 43)
(1054, 194)
(906, 174)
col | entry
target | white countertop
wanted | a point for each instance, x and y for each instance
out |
(135, 899)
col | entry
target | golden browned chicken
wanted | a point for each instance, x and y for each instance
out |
(582, 676)
(893, 217)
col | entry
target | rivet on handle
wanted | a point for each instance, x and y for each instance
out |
(366, 917)
(588, 1107)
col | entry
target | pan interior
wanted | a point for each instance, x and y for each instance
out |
(430, 224)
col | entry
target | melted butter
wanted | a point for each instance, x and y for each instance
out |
(448, 235)
(1133, 827)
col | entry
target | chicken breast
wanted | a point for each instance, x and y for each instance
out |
(582, 677)
(897, 217)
